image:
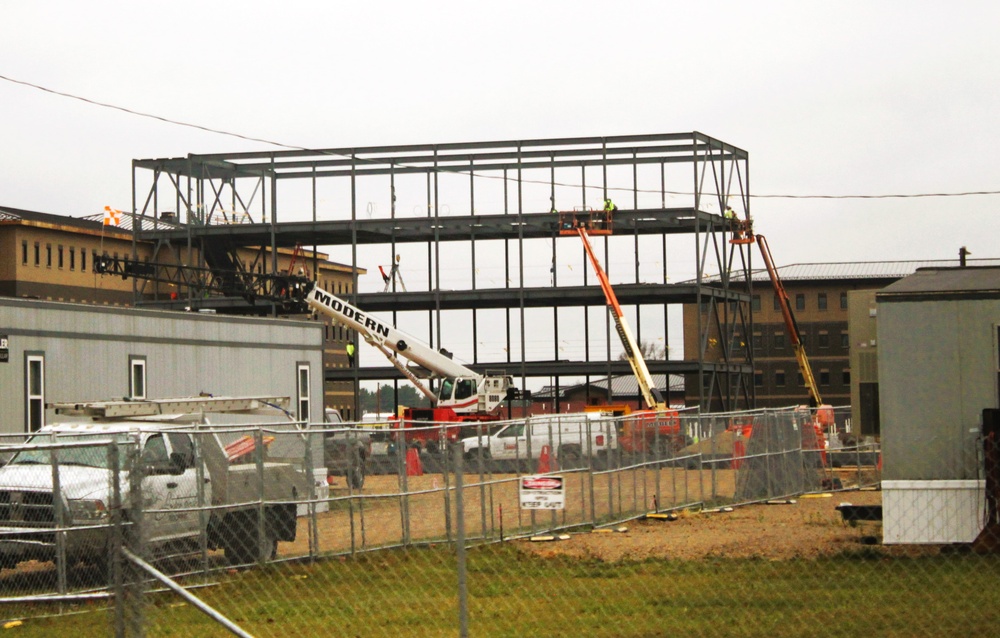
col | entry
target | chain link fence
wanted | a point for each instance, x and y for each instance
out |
(296, 530)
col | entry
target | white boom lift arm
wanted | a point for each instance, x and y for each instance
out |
(462, 389)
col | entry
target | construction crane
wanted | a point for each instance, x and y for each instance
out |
(464, 397)
(743, 234)
(600, 223)
(823, 416)
(659, 429)
(790, 324)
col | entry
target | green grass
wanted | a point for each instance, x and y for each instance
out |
(413, 593)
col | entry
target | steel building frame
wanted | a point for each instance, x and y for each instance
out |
(273, 200)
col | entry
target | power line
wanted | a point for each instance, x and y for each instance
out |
(150, 115)
(293, 147)
(888, 196)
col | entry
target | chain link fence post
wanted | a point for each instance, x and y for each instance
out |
(134, 584)
(116, 543)
(454, 451)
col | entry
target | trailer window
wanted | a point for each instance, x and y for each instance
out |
(302, 390)
(35, 391)
(137, 377)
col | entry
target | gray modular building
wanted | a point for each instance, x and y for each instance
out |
(938, 363)
(62, 352)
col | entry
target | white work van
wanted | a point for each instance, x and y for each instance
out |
(572, 440)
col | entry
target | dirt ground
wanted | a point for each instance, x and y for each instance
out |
(804, 527)
(807, 526)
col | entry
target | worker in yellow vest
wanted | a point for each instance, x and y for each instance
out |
(350, 354)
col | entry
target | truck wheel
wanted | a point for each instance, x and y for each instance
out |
(240, 540)
(356, 473)
(569, 458)
(473, 459)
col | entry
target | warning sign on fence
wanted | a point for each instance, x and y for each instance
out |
(542, 493)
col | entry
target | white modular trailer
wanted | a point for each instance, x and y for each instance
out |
(63, 352)
(938, 363)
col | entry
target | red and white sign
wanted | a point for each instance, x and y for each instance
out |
(542, 493)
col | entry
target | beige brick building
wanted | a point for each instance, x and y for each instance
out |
(819, 295)
(51, 257)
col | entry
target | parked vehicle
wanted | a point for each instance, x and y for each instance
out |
(33, 512)
(346, 451)
(571, 440)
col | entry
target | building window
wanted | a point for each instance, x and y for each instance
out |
(824, 339)
(845, 377)
(755, 303)
(59, 253)
(843, 301)
(758, 379)
(824, 377)
(24, 253)
(779, 378)
(137, 377)
(38, 260)
(844, 341)
(801, 379)
(779, 340)
(302, 392)
(83, 260)
(777, 304)
(758, 341)
(800, 301)
(34, 398)
(821, 301)
(72, 258)
(48, 255)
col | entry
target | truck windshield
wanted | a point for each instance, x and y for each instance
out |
(465, 388)
(96, 456)
(513, 430)
(447, 387)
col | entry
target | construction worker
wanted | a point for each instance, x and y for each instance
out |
(350, 354)
(730, 216)
(609, 206)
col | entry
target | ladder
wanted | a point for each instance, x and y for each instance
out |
(393, 275)
(101, 410)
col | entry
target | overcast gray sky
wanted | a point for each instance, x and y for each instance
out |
(829, 98)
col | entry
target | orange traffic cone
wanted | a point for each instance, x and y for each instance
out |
(546, 463)
(413, 466)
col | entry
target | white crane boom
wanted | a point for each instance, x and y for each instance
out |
(463, 389)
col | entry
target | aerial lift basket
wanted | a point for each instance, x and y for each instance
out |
(595, 222)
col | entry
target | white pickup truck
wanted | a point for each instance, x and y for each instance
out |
(33, 515)
(571, 439)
